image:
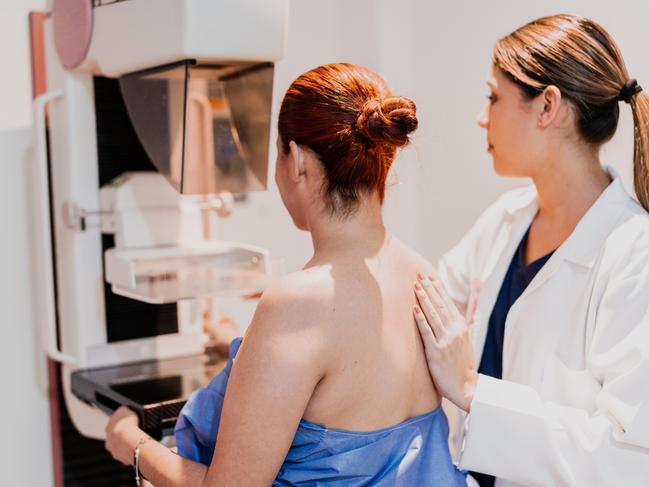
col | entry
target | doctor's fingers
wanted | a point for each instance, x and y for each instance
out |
(439, 288)
(443, 309)
(430, 313)
(425, 330)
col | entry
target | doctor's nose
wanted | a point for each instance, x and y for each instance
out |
(483, 118)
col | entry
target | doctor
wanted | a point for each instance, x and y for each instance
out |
(554, 374)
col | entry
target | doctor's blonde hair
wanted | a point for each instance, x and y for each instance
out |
(580, 58)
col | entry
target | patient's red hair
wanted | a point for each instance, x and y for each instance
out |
(347, 116)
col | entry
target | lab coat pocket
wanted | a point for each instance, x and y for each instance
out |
(567, 386)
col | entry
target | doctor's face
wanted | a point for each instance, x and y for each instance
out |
(510, 122)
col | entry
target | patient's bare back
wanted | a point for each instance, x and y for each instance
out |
(376, 374)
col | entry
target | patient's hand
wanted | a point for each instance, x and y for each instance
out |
(123, 435)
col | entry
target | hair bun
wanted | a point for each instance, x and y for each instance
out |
(388, 121)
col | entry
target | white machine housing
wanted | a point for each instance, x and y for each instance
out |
(133, 35)
(128, 35)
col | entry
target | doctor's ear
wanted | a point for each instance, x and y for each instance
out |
(550, 106)
(296, 161)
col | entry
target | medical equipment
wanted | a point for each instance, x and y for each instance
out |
(155, 112)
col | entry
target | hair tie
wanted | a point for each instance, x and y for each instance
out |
(629, 90)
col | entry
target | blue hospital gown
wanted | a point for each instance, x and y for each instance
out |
(413, 453)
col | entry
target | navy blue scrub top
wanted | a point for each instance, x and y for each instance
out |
(518, 277)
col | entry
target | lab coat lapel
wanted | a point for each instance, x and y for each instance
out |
(581, 248)
(517, 220)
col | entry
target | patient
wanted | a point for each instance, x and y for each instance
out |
(330, 384)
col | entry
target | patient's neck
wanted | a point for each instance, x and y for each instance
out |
(362, 231)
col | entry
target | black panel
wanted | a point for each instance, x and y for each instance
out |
(120, 151)
(86, 463)
(118, 148)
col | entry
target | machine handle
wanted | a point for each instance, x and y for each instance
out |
(43, 225)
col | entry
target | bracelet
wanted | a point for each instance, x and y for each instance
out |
(136, 459)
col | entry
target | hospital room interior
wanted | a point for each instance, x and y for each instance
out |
(142, 220)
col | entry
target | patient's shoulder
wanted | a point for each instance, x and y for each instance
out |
(302, 289)
(296, 300)
(291, 319)
(414, 260)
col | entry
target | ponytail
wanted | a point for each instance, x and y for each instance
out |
(640, 107)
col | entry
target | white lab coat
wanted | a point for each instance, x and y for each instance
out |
(573, 406)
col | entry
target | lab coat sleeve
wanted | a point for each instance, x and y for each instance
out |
(458, 266)
(515, 435)
(453, 271)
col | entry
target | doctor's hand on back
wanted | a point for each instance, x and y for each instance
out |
(447, 336)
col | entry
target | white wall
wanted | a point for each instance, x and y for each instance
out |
(25, 452)
(437, 53)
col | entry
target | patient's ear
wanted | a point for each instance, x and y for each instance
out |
(296, 167)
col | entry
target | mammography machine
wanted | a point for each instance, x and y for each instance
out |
(155, 113)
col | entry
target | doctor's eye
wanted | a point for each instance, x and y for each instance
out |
(492, 98)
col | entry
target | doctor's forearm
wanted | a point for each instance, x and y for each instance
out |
(163, 468)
